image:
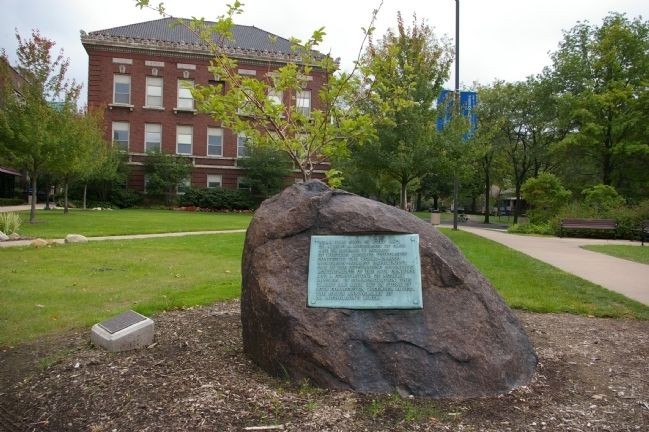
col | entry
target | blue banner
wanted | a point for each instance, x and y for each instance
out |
(468, 102)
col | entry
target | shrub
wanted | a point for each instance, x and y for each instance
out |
(530, 228)
(602, 198)
(218, 199)
(10, 222)
(123, 198)
(546, 195)
(11, 201)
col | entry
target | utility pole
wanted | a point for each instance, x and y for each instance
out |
(456, 185)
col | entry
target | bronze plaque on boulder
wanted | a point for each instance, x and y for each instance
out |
(365, 272)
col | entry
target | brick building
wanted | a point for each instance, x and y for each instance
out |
(140, 75)
(14, 81)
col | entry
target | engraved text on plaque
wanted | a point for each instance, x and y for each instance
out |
(365, 272)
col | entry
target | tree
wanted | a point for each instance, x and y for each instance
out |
(29, 123)
(80, 148)
(546, 196)
(165, 173)
(459, 150)
(253, 108)
(602, 74)
(404, 73)
(266, 170)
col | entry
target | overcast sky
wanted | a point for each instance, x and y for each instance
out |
(504, 39)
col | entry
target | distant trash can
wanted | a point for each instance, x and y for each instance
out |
(435, 217)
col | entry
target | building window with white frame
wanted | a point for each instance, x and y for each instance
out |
(303, 102)
(242, 145)
(276, 97)
(154, 92)
(152, 137)
(243, 183)
(120, 135)
(214, 181)
(185, 98)
(184, 185)
(184, 140)
(214, 142)
(246, 107)
(122, 89)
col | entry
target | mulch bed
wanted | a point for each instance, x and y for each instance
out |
(593, 375)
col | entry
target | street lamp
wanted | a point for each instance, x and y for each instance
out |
(456, 185)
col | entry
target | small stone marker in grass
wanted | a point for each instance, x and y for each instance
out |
(124, 332)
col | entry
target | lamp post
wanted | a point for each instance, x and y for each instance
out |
(456, 185)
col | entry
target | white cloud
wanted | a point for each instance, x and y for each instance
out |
(507, 39)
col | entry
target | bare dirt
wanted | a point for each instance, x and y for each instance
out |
(593, 375)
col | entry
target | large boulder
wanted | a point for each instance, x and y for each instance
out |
(465, 341)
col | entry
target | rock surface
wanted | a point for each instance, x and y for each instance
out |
(75, 238)
(3, 236)
(39, 242)
(465, 342)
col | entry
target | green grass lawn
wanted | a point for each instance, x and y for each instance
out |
(529, 284)
(52, 289)
(70, 286)
(632, 253)
(55, 224)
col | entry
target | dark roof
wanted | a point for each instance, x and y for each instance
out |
(167, 30)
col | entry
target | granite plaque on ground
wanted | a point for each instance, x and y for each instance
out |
(365, 272)
(124, 332)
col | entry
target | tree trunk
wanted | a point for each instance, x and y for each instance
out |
(48, 188)
(404, 195)
(517, 204)
(487, 196)
(65, 197)
(85, 193)
(418, 205)
(32, 210)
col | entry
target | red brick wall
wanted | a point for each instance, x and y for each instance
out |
(100, 94)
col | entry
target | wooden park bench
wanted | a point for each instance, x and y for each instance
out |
(588, 224)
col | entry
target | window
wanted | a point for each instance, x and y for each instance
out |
(243, 183)
(275, 96)
(154, 92)
(120, 135)
(214, 142)
(185, 99)
(122, 89)
(215, 83)
(152, 137)
(303, 102)
(184, 140)
(242, 144)
(246, 107)
(183, 186)
(214, 181)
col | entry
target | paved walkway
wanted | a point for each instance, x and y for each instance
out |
(16, 243)
(23, 207)
(616, 274)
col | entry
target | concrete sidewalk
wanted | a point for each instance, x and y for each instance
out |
(23, 207)
(17, 243)
(616, 274)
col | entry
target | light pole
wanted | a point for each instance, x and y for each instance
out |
(456, 185)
